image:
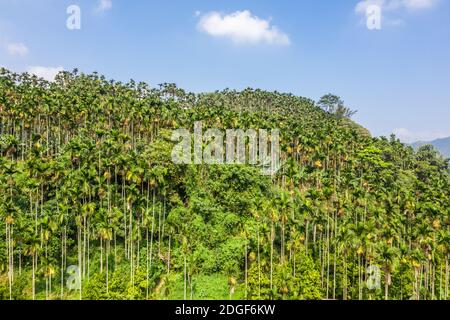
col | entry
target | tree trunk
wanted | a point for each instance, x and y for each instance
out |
(386, 286)
(271, 255)
(185, 283)
(446, 277)
(34, 275)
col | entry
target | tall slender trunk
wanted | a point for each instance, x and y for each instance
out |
(386, 285)
(168, 257)
(246, 267)
(344, 285)
(107, 264)
(328, 257)
(185, 283)
(272, 236)
(446, 277)
(153, 229)
(259, 267)
(359, 279)
(62, 266)
(101, 255)
(147, 264)
(34, 275)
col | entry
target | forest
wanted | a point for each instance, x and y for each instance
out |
(92, 206)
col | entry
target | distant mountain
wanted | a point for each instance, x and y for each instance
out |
(443, 145)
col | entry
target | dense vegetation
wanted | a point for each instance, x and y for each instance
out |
(442, 145)
(86, 179)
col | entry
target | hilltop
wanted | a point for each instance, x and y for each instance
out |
(442, 145)
(89, 192)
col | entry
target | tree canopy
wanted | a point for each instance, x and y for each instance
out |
(92, 207)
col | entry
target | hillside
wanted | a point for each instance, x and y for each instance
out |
(93, 207)
(442, 145)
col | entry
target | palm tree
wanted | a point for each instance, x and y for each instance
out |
(32, 249)
(388, 256)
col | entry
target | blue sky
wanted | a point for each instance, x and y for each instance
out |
(397, 77)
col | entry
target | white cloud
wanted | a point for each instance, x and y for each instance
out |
(104, 5)
(419, 4)
(242, 27)
(17, 49)
(48, 73)
(394, 6)
(408, 136)
(14, 48)
(361, 7)
(385, 6)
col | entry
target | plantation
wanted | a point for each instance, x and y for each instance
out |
(87, 180)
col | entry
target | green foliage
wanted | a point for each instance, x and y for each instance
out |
(298, 279)
(334, 105)
(86, 180)
(18, 290)
(202, 287)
